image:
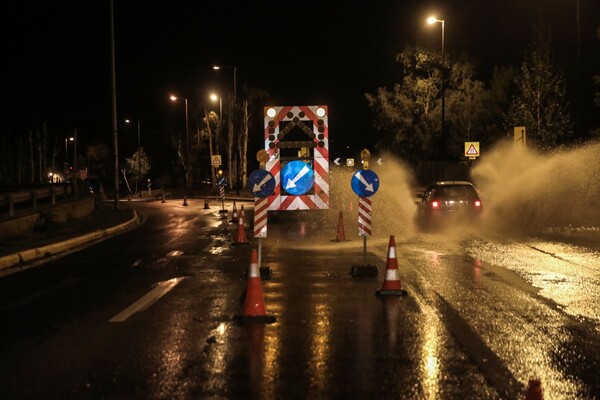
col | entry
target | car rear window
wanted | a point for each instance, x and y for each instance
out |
(456, 191)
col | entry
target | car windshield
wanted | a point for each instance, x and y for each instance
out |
(456, 192)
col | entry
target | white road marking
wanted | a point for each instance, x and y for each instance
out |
(147, 300)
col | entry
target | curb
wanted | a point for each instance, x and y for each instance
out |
(30, 255)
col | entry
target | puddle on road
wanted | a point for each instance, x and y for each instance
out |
(220, 243)
(218, 250)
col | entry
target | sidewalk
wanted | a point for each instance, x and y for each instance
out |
(17, 253)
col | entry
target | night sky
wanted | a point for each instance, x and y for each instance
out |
(57, 56)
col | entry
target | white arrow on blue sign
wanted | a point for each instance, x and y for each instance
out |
(365, 183)
(261, 183)
(297, 178)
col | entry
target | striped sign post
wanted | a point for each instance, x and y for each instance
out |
(364, 217)
(221, 182)
(364, 223)
(261, 184)
(261, 206)
(365, 184)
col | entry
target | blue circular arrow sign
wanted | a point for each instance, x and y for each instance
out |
(365, 183)
(297, 178)
(261, 183)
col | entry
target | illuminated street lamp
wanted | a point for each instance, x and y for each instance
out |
(187, 141)
(139, 182)
(431, 21)
(215, 97)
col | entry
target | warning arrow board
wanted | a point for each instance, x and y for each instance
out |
(472, 150)
(215, 160)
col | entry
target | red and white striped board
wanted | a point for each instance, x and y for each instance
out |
(318, 138)
(261, 205)
(364, 216)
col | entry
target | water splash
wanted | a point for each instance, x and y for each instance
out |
(526, 191)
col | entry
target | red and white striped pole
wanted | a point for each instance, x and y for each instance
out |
(261, 207)
(364, 222)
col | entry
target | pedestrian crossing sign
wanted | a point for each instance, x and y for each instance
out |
(472, 150)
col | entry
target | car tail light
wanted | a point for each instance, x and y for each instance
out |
(478, 203)
(435, 204)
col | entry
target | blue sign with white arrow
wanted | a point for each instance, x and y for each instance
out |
(297, 178)
(261, 183)
(365, 183)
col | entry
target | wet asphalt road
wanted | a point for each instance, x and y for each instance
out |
(483, 315)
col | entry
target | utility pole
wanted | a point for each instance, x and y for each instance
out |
(114, 103)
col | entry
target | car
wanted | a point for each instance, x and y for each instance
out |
(448, 203)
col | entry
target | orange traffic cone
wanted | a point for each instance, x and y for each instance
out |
(391, 281)
(254, 305)
(341, 232)
(534, 390)
(241, 233)
(185, 204)
(206, 207)
(242, 213)
(234, 214)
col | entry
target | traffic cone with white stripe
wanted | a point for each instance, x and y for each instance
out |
(391, 282)
(234, 213)
(534, 390)
(302, 229)
(243, 214)
(254, 305)
(206, 207)
(241, 233)
(341, 232)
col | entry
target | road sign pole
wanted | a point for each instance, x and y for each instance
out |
(261, 184)
(364, 183)
(365, 250)
(259, 252)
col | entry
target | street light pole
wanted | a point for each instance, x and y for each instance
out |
(430, 21)
(114, 103)
(231, 129)
(67, 149)
(139, 181)
(75, 172)
(187, 142)
(234, 68)
(139, 160)
(214, 97)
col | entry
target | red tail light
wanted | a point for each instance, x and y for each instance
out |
(478, 203)
(435, 204)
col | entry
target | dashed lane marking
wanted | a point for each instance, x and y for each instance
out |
(147, 300)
